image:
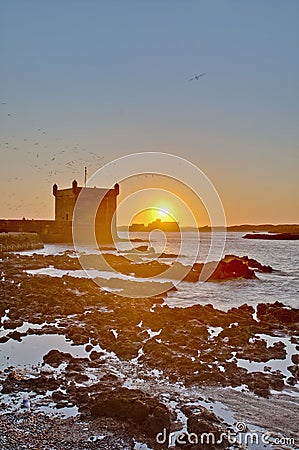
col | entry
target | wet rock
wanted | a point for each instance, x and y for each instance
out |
(258, 384)
(273, 237)
(12, 381)
(76, 365)
(184, 350)
(133, 406)
(258, 351)
(78, 338)
(201, 425)
(54, 358)
(127, 349)
(43, 383)
(81, 378)
(95, 355)
(12, 324)
(16, 382)
(277, 313)
(57, 396)
(16, 335)
(291, 381)
(294, 371)
(251, 263)
(232, 269)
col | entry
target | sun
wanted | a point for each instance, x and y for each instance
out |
(162, 214)
(152, 214)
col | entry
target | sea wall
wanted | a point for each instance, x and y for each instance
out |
(10, 242)
(47, 230)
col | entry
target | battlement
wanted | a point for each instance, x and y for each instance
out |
(60, 229)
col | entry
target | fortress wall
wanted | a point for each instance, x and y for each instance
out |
(47, 230)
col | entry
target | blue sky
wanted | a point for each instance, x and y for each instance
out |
(111, 77)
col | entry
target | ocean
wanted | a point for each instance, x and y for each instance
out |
(280, 285)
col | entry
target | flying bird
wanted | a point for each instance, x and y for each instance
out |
(197, 77)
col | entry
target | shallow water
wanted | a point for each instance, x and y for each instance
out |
(31, 349)
(281, 285)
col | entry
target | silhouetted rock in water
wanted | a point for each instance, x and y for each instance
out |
(133, 406)
(229, 268)
(273, 237)
(250, 262)
(234, 268)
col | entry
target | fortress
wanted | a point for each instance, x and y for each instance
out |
(155, 225)
(60, 229)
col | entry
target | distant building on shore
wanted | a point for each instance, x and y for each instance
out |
(104, 202)
(155, 225)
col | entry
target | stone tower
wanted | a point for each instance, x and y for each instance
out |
(65, 201)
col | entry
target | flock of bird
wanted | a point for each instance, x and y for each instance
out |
(34, 155)
(44, 165)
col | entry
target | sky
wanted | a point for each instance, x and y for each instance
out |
(85, 82)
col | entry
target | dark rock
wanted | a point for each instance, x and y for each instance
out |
(57, 396)
(88, 347)
(291, 381)
(94, 355)
(81, 378)
(251, 263)
(258, 383)
(16, 335)
(277, 313)
(54, 358)
(231, 269)
(294, 371)
(12, 324)
(202, 424)
(133, 406)
(273, 236)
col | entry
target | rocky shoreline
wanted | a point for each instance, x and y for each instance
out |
(134, 350)
(14, 242)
